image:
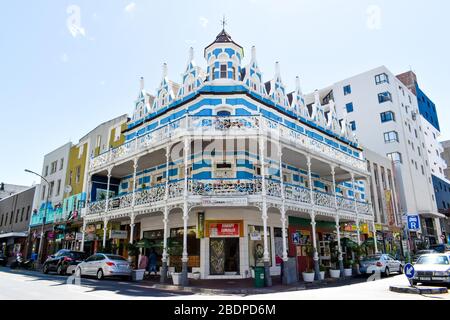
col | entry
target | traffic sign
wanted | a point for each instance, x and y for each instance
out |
(413, 223)
(409, 271)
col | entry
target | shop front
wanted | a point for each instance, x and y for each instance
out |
(300, 242)
(224, 246)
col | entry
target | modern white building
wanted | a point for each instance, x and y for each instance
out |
(384, 115)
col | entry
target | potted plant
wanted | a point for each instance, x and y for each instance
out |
(322, 272)
(348, 268)
(358, 252)
(335, 271)
(133, 253)
(175, 252)
(308, 275)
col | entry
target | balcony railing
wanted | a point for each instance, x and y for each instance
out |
(225, 187)
(52, 216)
(293, 194)
(210, 125)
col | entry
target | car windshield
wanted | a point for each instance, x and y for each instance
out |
(115, 257)
(443, 260)
(78, 255)
(371, 258)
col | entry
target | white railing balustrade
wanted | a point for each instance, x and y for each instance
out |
(323, 199)
(363, 207)
(273, 188)
(176, 189)
(121, 202)
(223, 124)
(346, 204)
(97, 207)
(297, 193)
(151, 195)
(233, 125)
(224, 187)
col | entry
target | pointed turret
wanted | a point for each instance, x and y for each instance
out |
(252, 76)
(224, 58)
(192, 76)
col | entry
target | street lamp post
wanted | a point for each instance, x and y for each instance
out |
(39, 257)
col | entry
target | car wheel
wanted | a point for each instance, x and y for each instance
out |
(400, 269)
(45, 269)
(386, 272)
(414, 282)
(59, 270)
(100, 274)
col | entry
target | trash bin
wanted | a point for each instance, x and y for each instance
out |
(259, 277)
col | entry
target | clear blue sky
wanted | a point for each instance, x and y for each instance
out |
(55, 87)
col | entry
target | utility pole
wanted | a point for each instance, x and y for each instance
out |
(41, 242)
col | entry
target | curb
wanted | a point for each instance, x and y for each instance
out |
(221, 291)
(418, 290)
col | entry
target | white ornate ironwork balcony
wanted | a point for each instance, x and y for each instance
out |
(346, 204)
(225, 187)
(151, 195)
(323, 199)
(238, 125)
(297, 193)
(222, 188)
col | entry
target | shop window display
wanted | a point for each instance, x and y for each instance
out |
(256, 246)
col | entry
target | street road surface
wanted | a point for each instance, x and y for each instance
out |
(27, 285)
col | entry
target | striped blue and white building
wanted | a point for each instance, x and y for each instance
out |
(220, 162)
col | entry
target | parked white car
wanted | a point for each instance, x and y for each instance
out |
(432, 269)
(383, 263)
(103, 265)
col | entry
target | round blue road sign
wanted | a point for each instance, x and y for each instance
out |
(409, 271)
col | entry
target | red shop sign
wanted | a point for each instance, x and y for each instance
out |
(224, 229)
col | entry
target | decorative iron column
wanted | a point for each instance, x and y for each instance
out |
(358, 232)
(165, 221)
(185, 257)
(267, 277)
(316, 254)
(283, 213)
(313, 221)
(107, 190)
(83, 232)
(105, 227)
(340, 258)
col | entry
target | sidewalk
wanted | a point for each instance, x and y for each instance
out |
(245, 286)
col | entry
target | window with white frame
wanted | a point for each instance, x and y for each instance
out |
(381, 78)
(391, 136)
(395, 157)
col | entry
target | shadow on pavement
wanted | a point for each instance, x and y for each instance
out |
(121, 287)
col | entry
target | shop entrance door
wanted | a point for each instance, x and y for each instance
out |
(224, 256)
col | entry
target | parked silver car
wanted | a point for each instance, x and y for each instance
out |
(432, 269)
(383, 263)
(103, 265)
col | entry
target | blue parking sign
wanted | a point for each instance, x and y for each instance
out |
(409, 271)
(413, 222)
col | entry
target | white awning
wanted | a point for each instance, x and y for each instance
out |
(432, 215)
(14, 235)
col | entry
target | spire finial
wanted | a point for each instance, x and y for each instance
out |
(191, 54)
(277, 69)
(164, 70)
(223, 22)
(253, 53)
(297, 84)
(142, 83)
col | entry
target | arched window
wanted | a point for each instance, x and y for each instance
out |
(223, 113)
